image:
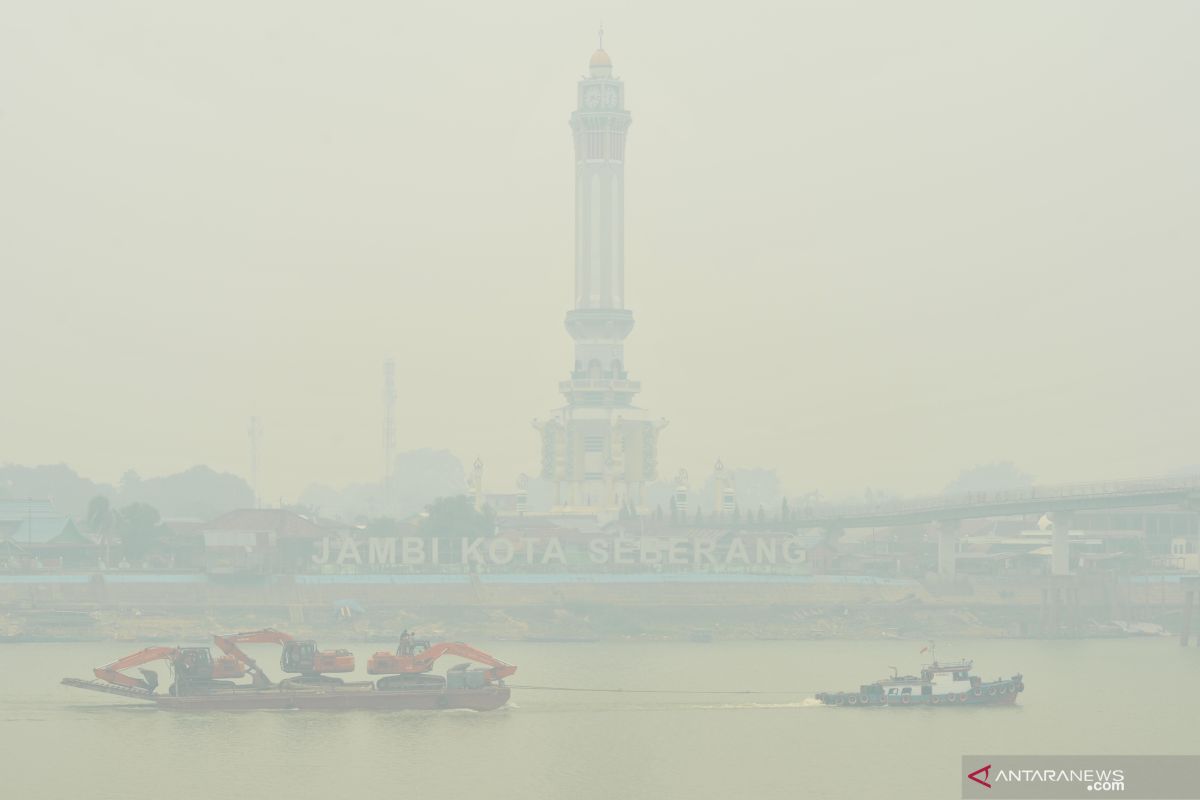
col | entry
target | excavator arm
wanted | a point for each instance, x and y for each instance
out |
(266, 635)
(298, 656)
(228, 644)
(387, 663)
(112, 672)
(499, 669)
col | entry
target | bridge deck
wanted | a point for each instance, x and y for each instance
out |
(1183, 492)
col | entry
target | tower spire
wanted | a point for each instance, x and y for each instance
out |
(601, 33)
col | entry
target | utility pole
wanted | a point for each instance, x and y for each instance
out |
(476, 483)
(389, 429)
(255, 432)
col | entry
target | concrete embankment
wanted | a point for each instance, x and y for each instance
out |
(573, 607)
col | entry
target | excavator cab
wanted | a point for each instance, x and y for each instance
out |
(193, 663)
(197, 664)
(303, 657)
(196, 670)
(412, 647)
(383, 663)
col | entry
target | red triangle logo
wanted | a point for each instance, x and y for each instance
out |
(985, 770)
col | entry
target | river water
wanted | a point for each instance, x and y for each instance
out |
(1138, 696)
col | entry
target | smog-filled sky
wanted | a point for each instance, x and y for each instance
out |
(869, 244)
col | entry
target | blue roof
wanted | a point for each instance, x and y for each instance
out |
(41, 529)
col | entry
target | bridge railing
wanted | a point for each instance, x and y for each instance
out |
(1006, 496)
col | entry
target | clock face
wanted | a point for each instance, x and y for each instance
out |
(592, 98)
(610, 97)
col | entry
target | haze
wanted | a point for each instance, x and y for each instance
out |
(867, 244)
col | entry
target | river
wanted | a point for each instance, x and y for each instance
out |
(1082, 696)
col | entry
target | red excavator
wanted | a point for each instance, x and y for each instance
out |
(193, 666)
(414, 657)
(299, 656)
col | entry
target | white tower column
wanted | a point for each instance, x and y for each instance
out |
(599, 444)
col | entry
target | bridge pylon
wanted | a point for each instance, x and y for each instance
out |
(947, 547)
(1060, 543)
(1191, 594)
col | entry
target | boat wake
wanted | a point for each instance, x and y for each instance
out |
(808, 702)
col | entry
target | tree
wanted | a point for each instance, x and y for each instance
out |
(197, 493)
(140, 529)
(71, 492)
(99, 515)
(785, 515)
(456, 517)
(419, 478)
(100, 521)
(130, 480)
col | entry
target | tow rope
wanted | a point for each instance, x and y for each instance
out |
(651, 691)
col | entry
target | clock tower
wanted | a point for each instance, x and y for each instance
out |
(600, 123)
(599, 449)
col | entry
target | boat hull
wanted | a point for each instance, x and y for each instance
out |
(996, 693)
(333, 698)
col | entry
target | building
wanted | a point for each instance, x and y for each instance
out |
(260, 540)
(32, 533)
(599, 450)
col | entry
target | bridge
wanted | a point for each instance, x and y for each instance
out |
(1059, 501)
(1180, 492)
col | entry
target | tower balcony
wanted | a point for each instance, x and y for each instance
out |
(612, 324)
(599, 392)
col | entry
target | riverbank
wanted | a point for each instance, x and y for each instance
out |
(585, 607)
(581, 623)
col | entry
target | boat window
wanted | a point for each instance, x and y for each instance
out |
(907, 690)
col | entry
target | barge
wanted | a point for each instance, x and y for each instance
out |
(202, 682)
(358, 695)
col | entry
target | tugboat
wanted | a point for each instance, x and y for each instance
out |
(941, 683)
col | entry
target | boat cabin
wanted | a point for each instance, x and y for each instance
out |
(936, 679)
